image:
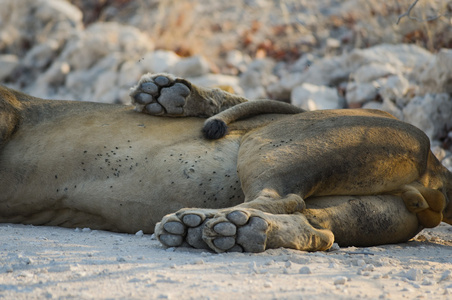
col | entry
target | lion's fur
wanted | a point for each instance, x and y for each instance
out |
(108, 167)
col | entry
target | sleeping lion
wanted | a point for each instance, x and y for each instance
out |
(254, 175)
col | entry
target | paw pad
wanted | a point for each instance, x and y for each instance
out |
(160, 94)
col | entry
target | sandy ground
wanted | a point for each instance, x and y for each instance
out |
(60, 263)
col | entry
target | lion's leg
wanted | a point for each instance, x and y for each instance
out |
(252, 227)
(241, 229)
(428, 204)
(165, 94)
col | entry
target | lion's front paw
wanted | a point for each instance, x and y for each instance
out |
(160, 94)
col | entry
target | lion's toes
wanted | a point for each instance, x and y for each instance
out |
(426, 203)
(236, 231)
(160, 94)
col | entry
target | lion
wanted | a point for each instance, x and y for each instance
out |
(269, 175)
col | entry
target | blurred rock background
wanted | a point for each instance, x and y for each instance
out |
(315, 54)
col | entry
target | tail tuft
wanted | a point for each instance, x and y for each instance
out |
(214, 129)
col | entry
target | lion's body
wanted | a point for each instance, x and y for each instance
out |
(76, 163)
(80, 164)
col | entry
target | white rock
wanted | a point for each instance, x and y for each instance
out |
(437, 77)
(333, 43)
(372, 71)
(129, 73)
(431, 113)
(313, 97)
(372, 105)
(340, 280)
(238, 59)
(41, 55)
(360, 93)
(159, 61)
(414, 275)
(102, 39)
(8, 63)
(105, 83)
(395, 87)
(305, 270)
(191, 67)
(57, 9)
(390, 107)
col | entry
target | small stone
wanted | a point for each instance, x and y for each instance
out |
(305, 270)
(120, 259)
(414, 275)
(447, 275)
(267, 285)
(86, 230)
(340, 280)
(139, 233)
(198, 262)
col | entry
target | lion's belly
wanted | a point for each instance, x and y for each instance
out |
(119, 174)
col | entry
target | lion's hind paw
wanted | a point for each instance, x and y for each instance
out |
(160, 94)
(236, 231)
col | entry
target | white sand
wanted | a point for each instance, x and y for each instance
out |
(50, 262)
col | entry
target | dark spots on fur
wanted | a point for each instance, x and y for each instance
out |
(65, 189)
(56, 176)
(85, 151)
(58, 190)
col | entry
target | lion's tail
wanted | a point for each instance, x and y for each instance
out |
(216, 126)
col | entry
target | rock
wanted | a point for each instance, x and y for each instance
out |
(414, 275)
(303, 63)
(373, 105)
(437, 77)
(313, 97)
(191, 67)
(158, 61)
(340, 280)
(431, 113)
(372, 71)
(8, 63)
(258, 75)
(305, 270)
(394, 87)
(103, 39)
(361, 93)
(41, 55)
(390, 107)
(238, 60)
(32, 20)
